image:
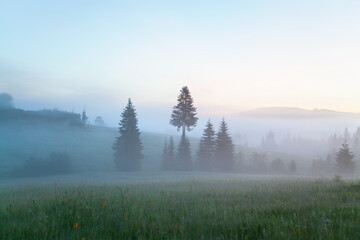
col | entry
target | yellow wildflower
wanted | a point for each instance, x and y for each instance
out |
(76, 225)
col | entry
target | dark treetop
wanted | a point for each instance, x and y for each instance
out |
(183, 115)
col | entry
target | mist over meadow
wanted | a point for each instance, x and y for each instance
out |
(179, 120)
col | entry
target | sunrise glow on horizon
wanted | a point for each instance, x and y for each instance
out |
(233, 55)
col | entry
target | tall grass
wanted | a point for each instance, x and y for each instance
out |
(234, 209)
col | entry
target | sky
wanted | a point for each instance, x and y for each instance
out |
(233, 55)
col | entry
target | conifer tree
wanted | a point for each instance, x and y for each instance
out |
(224, 150)
(128, 146)
(183, 156)
(205, 154)
(344, 163)
(184, 113)
(84, 117)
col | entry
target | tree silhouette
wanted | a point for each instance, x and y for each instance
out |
(99, 121)
(344, 163)
(6, 101)
(128, 146)
(224, 150)
(183, 156)
(84, 117)
(184, 113)
(205, 154)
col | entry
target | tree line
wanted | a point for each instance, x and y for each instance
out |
(215, 151)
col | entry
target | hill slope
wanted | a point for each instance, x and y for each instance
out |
(90, 148)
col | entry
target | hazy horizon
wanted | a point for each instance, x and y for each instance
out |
(233, 55)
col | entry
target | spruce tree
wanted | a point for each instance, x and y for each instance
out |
(84, 117)
(344, 163)
(184, 113)
(183, 156)
(128, 146)
(205, 154)
(224, 150)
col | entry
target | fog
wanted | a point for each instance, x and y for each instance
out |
(266, 141)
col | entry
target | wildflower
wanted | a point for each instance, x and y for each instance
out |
(104, 203)
(152, 204)
(200, 188)
(233, 203)
(76, 225)
(217, 191)
(82, 238)
(126, 214)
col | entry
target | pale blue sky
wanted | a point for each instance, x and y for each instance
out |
(233, 55)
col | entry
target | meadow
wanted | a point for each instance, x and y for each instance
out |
(212, 208)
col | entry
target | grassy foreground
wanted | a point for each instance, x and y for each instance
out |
(234, 209)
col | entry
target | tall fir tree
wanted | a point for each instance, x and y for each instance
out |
(128, 146)
(344, 163)
(205, 154)
(183, 155)
(184, 113)
(224, 150)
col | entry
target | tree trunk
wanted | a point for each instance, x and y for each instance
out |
(183, 130)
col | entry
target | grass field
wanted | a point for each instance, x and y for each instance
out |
(275, 208)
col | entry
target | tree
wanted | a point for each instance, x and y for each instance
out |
(184, 113)
(6, 101)
(168, 156)
(99, 121)
(224, 149)
(344, 163)
(205, 154)
(183, 156)
(128, 146)
(84, 118)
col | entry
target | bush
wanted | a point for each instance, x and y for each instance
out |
(56, 163)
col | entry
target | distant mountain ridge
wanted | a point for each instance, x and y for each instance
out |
(295, 113)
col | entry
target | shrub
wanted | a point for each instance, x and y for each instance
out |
(55, 163)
